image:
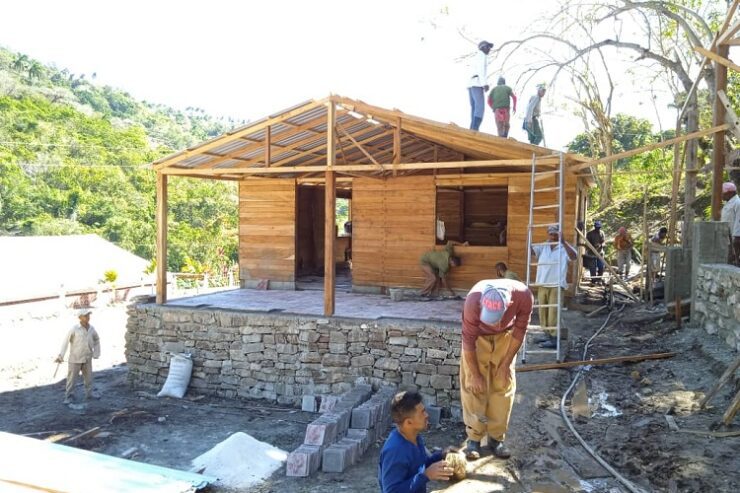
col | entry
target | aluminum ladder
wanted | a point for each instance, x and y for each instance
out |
(537, 203)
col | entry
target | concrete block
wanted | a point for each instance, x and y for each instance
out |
(309, 404)
(335, 458)
(321, 432)
(361, 418)
(342, 418)
(361, 436)
(435, 415)
(354, 449)
(303, 461)
(327, 403)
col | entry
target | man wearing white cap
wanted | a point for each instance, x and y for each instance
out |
(478, 84)
(495, 319)
(731, 216)
(552, 271)
(84, 345)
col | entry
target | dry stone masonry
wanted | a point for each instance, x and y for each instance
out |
(717, 303)
(286, 357)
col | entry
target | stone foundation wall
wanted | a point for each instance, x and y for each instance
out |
(282, 357)
(717, 301)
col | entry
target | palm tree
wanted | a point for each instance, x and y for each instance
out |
(19, 65)
(35, 71)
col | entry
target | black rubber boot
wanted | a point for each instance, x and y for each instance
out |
(472, 450)
(499, 449)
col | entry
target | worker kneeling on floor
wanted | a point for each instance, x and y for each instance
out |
(495, 319)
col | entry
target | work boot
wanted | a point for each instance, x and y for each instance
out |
(472, 450)
(541, 338)
(499, 449)
(92, 395)
(550, 343)
(67, 400)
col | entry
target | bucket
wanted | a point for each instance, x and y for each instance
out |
(396, 294)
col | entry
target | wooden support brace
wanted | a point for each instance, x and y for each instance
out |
(719, 59)
(358, 145)
(606, 264)
(729, 372)
(730, 115)
(732, 410)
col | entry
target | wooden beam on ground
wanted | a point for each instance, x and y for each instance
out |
(718, 151)
(606, 264)
(595, 362)
(161, 222)
(722, 60)
(330, 206)
(249, 129)
(732, 410)
(730, 115)
(729, 373)
(657, 145)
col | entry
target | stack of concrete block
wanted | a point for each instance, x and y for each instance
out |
(329, 430)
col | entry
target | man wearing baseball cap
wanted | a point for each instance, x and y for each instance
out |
(595, 266)
(495, 319)
(84, 345)
(731, 216)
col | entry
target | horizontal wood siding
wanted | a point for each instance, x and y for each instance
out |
(267, 213)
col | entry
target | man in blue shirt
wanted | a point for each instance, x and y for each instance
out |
(405, 465)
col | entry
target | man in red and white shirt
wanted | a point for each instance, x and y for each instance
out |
(495, 319)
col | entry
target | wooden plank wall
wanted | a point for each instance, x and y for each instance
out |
(450, 203)
(392, 226)
(267, 213)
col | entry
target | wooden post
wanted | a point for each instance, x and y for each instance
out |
(646, 267)
(719, 138)
(161, 221)
(268, 144)
(396, 145)
(676, 184)
(329, 211)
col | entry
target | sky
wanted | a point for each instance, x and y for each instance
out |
(249, 59)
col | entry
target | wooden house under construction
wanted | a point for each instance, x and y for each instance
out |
(402, 177)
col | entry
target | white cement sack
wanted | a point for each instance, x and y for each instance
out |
(240, 461)
(181, 367)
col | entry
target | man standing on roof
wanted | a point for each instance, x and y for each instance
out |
(532, 119)
(478, 84)
(498, 100)
(495, 319)
(552, 271)
(731, 215)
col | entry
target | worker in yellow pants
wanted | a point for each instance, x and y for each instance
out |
(488, 411)
(495, 319)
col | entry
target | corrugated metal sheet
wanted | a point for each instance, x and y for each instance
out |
(45, 466)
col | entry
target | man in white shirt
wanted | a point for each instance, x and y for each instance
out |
(532, 119)
(552, 270)
(478, 84)
(731, 216)
(84, 345)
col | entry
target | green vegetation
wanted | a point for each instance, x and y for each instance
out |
(73, 160)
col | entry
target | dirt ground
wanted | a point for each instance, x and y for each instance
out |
(627, 426)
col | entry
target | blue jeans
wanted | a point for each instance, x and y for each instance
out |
(477, 106)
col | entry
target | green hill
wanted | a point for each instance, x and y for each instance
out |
(72, 160)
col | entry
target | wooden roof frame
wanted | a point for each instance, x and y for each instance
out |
(368, 140)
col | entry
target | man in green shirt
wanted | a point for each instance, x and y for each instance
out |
(503, 272)
(436, 265)
(498, 100)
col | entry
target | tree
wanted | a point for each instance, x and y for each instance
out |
(660, 36)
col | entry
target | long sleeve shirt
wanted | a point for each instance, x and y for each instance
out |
(731, 215)
(478, 70)
(84, 344)
(516, 316)
(533, 108)
(402, 465)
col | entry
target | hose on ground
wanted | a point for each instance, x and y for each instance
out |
(625, 482)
